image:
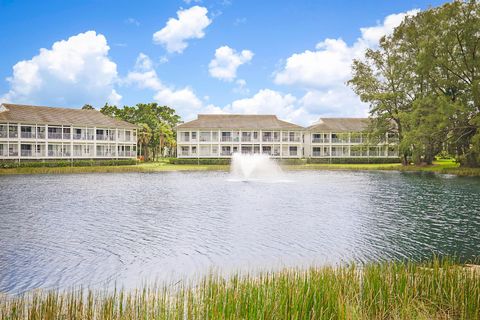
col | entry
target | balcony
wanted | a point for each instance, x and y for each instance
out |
(270, 139)
(226, 139)
(3, 134)
(355, 140)
(54, 135)
(77, 136)
(27, 135)
(26, 153)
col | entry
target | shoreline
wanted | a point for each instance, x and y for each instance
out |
(441, 166)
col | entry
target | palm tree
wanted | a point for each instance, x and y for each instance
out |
(144, 137)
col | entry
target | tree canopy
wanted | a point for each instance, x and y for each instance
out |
(156, 135)
(423, 82)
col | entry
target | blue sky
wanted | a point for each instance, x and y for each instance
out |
(290, 58)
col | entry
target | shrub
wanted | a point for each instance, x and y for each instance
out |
(66, 163)
(353, 160)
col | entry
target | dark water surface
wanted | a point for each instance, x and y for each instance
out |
(58, 231)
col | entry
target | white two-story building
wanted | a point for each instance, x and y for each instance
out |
(33, 132)
(219, 136)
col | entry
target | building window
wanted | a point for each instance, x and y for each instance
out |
(293, 150)
(226, 151)
(184, 150)
(194, 135)
(226, 136)
(205, 136)
(316, 151)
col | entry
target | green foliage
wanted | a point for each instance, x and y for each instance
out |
(423, 82)
(201, 161)
(436, 289)
(156, 135)
(66, 163)
(362, 160)
(88, 107)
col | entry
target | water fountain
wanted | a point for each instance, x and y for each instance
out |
(255, 167)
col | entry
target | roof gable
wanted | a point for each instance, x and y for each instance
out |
(49, 115)
(238, 121)
(340, 125)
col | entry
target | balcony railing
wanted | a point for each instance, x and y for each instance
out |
(27, 135)
(26, 153)
(54, 135)
(53, 153)
(226, 139)
(355, 140)
(13, 153)
(3, 134)
(270, 139)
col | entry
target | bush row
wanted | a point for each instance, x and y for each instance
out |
(353, 160)
(66, 163)
(199, 161)
(223, 161)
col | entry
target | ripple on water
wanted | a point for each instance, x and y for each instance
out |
(72, 230)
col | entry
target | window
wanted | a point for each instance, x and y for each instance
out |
(194, 150)
(185, 136)
(66, 133)
(226, 136)
(317, 138)
(13, 131)
(3, 131)
(26, 132)
(184, 150)
(194, 135)
(316, 151)
(54, 133)
(226, 151)
(205, 136)
(293, 150)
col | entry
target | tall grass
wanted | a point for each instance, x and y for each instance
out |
(434, 290)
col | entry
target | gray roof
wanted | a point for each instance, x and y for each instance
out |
(238, 121)
(59, 116)
(340, 125)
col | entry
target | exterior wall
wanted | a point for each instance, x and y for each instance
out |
(281, 144)
(223, 143)
(40, 141)
(347, 145)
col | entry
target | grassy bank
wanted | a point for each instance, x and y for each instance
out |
(441, 166)
(435, 290)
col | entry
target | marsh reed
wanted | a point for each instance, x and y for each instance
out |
(439, 289)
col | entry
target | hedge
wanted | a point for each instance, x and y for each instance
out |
(221, 161)
(353, 160)
(67, 163)
(295, 161)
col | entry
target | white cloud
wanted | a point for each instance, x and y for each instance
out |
(226, 62)
(132, 21)
(190, 24)
(73, 72)
(323, 72)
(144, 76)
(241, 87)
(372, 35)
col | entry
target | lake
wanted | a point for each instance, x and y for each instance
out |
(92, 230)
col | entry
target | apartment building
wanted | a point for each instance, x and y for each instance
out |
(219, 136)
(34, 132)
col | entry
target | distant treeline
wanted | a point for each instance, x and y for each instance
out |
(423, 82)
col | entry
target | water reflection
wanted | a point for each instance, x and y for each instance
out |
(64, 230)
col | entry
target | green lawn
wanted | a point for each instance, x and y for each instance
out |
(440, 166)
(433, 290)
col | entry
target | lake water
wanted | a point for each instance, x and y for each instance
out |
(59, 231)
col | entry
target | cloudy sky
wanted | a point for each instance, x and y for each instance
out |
(290, 58)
